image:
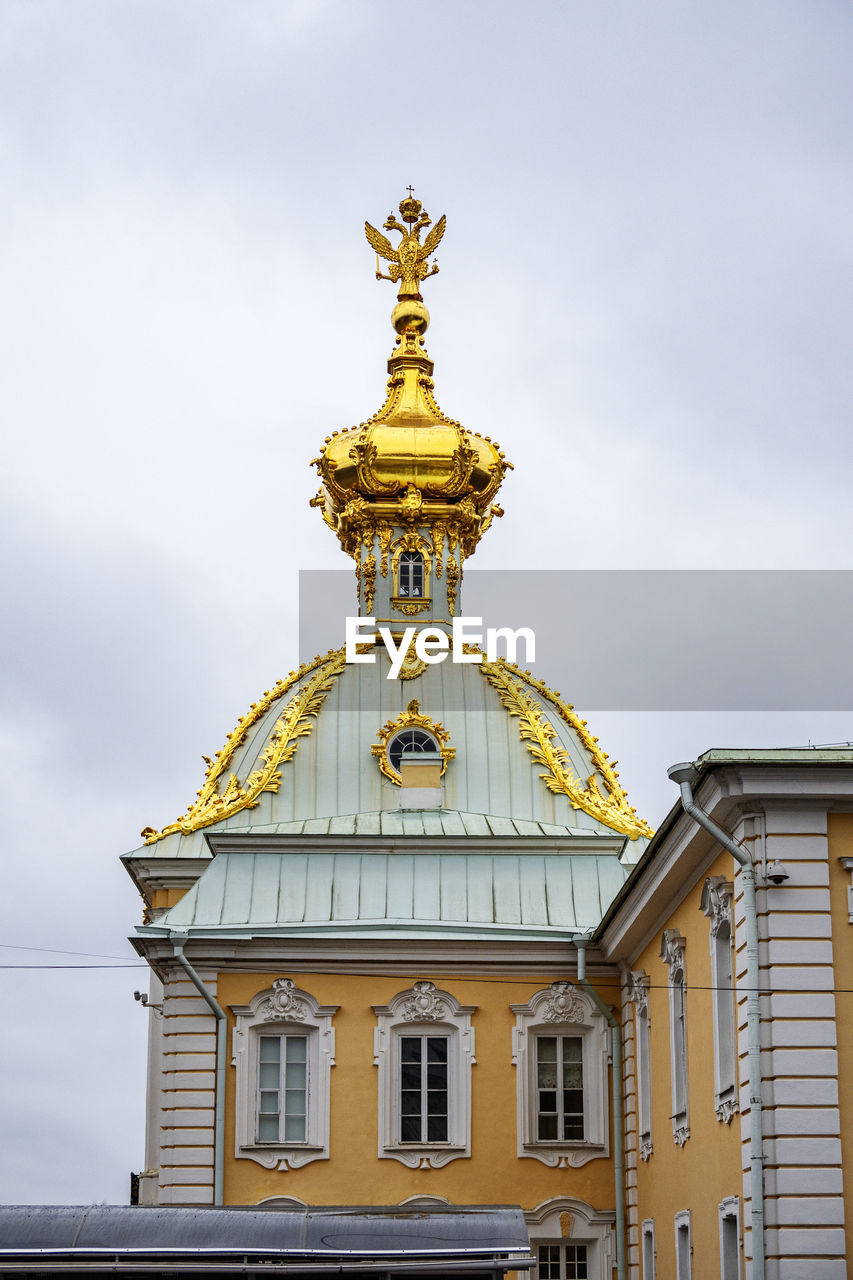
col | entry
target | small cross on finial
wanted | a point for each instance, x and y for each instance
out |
(411, 191)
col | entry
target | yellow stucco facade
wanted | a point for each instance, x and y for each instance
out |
(354, 1173)
(707, 1168)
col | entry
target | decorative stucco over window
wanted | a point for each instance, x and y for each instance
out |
(284, 1047)
(424, 1049)
(717, 906)
(672, 954)
(639, 990)
(559, 1048)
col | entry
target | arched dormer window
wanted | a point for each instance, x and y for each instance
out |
(410, 742)
(411, 576)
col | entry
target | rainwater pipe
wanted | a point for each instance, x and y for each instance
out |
(177, 940)
(580, 941)
(683, 775)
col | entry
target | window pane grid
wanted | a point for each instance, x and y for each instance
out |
(562, 1262)
(559, 1088)
(423, 1088)
(409, 742)
(679, 1050)
(411, 574)
(282, 1088)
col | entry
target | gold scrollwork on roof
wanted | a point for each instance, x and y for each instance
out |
(538, 734)
(410, 607)
(453, 575)
(411, 667)
(364, 456)
(411, 718)
(215, 802)
(368, 582)
(383, 537)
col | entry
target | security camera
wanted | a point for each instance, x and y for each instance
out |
(777, 874)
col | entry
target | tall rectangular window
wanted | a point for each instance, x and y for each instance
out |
(559, 1085)
(729, 1214)
(423, 1088)
(679, 1048)
(683, 1246)
(649, 1252)
(717, 905)
(282, 1088)
(562, 1262)
(411, 574)
(560, 1047)
(640, 996)
(672, 953)
(724, 1011)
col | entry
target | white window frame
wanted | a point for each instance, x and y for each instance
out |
(639, 993)
(716, 904)
(423, 1009)
(728, 1213)
(683, 1236)
(409, 566)
(562, 1246)
(283, 1009)
(565, 1220)
(561, 1009)
(672, 953)
(649, 1249)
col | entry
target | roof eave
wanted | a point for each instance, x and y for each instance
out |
(624, 929)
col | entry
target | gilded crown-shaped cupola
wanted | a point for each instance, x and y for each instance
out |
(409, 467)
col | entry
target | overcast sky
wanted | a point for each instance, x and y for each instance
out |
(645, 296)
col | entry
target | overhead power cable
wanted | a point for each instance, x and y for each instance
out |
(740, 989)
(58, 951)
(138, 965)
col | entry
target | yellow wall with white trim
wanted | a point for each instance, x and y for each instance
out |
(707, 1169)
(354, 1174)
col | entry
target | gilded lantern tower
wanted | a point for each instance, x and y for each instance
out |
(410, 492)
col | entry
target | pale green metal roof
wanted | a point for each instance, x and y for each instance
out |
(415, 822)
(385, 822)
(840, 753)
(333, 772)
(381, 894)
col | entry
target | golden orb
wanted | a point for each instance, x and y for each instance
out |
(410, 314)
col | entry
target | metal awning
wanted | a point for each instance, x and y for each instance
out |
(395, 1240)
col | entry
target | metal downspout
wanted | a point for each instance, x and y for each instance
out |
(580, 941)
(683, 775)
(177, 940)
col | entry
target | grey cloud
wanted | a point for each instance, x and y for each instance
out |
(642, 296)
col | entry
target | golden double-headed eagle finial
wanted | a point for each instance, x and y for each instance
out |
(409, 260)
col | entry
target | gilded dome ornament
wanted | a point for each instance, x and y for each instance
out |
(410, 463)
(409, 265)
